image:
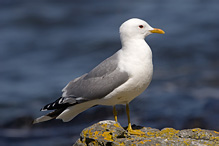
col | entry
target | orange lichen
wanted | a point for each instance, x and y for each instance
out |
(168, 133)
(117, 125)
(107, 136)
(187, 141)
(151, 134)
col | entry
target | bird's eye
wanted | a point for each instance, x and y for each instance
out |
(140, 26)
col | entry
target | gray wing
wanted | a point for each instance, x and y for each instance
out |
(96, 84)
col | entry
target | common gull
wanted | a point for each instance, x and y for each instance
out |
(117, 80)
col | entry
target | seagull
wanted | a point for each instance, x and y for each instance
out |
(117, 80)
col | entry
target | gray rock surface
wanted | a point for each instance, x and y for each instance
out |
(107, 133)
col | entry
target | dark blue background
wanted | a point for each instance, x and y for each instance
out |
(46, 43)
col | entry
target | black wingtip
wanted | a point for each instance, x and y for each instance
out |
(55, 105)
(45, 108)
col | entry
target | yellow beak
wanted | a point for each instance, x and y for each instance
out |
(156, 30)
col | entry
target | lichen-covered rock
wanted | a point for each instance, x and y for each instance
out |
(110, 133)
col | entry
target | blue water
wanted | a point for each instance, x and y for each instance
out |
(44, 44)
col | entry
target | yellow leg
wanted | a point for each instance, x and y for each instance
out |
(115, 113)
(129, 129)
(128, 115)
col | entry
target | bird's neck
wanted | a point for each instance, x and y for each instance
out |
(136, 55)
(136, 47)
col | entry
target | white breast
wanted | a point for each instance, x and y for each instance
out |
(137, 62)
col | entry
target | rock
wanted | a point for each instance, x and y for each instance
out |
(110, 133)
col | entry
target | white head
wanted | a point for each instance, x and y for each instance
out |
(137, 29)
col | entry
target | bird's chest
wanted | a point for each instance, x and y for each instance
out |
(139, 67)
(140, 76)
(137, 63)
(140, 71)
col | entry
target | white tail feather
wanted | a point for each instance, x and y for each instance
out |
(73, 111)
(42, 119)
